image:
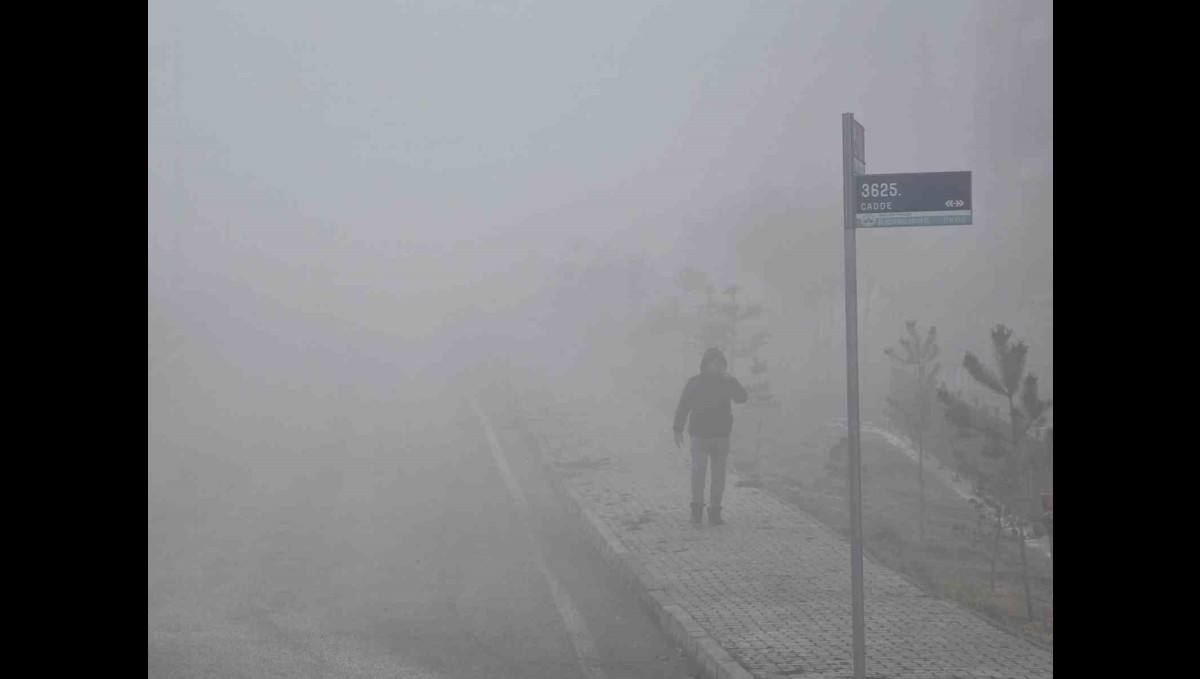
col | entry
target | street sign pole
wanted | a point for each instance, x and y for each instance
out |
(853, 144)
(873, 201)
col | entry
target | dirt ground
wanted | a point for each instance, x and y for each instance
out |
(954, 560)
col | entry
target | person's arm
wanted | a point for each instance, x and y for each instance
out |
(737, 391)
(685, 407)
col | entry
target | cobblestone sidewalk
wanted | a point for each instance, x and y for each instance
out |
(772, 587)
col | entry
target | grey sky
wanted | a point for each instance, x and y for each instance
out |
(367, 159)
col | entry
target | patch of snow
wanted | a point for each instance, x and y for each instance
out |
(940, 472)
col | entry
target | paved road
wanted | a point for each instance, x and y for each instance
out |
(350, 534)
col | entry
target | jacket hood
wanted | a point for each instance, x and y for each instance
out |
(712, 354)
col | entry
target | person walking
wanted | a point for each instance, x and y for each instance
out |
(705, 401)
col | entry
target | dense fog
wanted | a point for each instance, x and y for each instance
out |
(360, 212)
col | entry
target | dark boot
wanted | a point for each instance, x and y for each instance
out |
(697, 511)
(714, 516)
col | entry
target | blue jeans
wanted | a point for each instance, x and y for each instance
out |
(702, 450)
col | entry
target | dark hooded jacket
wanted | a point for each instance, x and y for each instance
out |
(705, 399)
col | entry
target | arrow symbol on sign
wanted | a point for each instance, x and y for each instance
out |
(954, 203)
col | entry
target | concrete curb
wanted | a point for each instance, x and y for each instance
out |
(713, 661)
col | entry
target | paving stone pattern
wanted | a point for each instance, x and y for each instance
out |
(772, 587)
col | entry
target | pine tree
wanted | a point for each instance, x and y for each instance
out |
(1007, 378)
(913, 410)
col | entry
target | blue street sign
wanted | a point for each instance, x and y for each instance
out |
(912, 199)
